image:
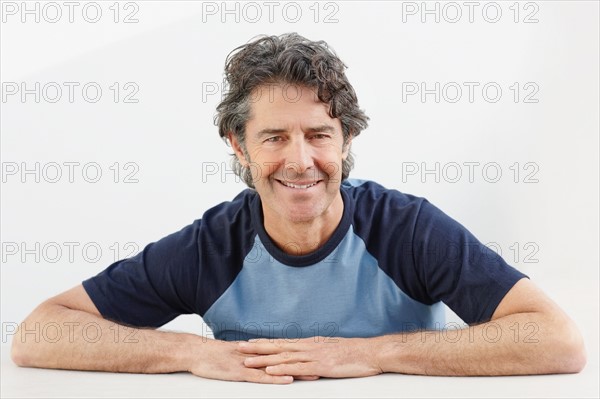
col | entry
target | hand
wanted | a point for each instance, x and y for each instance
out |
(221, 360)
(313, 357)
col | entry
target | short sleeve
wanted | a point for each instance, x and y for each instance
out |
(152, 287)
(458, 269)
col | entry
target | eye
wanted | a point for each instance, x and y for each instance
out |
(319, 136)
(273, 139)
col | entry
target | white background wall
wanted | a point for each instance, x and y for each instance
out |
(544, 218)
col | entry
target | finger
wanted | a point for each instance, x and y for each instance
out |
(285, 340)
(266, 348)
(295, 369)
(279, 358)
(245, 355)
(306, 377)
(259, 376)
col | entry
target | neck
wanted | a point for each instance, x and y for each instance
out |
(303, 237)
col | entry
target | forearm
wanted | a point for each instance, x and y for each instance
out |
(54, 336)
(524, 343)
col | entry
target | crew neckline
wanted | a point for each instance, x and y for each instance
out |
(311, 258)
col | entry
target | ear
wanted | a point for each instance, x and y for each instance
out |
(346, 148)
(237, 148)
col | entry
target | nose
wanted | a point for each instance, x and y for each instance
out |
(298, 157)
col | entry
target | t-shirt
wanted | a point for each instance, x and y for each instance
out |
(390, 265)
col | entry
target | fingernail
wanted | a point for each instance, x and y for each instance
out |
(243, 344)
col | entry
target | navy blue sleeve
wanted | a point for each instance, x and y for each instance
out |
(430, 256)
(152, 287)
(456, 268)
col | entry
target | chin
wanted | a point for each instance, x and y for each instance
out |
(301, 217)
(306, 212)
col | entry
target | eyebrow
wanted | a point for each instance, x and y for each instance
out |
(321, 129)
(315, 129)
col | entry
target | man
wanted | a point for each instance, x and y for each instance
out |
(325, 276)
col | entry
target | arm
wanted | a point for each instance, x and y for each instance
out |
(68, 332)
(528, 334)
(550, 344)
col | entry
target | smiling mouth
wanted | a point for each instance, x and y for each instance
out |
(298, 186)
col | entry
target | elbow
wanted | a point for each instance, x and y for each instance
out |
(578, 359)
(573, 355)
(25, 348)
(22, 353)
(18, 352)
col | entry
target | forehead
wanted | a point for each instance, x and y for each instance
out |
(287, 103)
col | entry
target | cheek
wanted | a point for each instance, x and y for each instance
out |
(332, 169)
(330, 161)
(263, 164)
(256, 173)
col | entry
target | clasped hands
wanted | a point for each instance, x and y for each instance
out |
(312, 358)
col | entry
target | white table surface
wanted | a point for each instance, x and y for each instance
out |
(29, 382)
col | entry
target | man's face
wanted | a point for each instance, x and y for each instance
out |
(294, 151)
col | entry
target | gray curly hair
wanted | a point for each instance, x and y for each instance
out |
(288, 59)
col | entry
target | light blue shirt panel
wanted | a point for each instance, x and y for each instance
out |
(344, 295)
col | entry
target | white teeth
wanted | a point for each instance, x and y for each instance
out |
(298, 186)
